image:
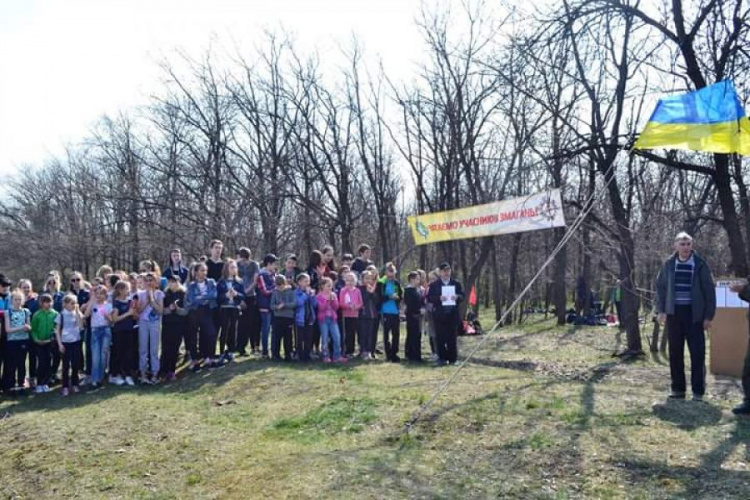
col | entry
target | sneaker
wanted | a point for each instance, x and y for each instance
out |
(154, 380)
(698, 397)
(76, 389)
(242, 354)
(365, 356)
(171, 377)
(46, 388)
(395, 359)
(144, 381)
(129, 381)
(326, 359)
(342, 359)
(441, 362)
(676, 395)
(116, 380)
(230, 356)
(195, 368)
(742, 409)
(39, 389)
(65, 391)
(28, 383)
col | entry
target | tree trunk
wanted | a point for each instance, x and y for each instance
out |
(742, 189)
(558, 278)
(497, 282)
(722, 178)
(626, 259)
(513, 271)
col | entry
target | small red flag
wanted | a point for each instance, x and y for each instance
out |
(473, 296)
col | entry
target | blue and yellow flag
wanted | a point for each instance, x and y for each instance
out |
(710, 119)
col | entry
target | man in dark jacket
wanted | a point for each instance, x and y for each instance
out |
(743, 289)
(686, 300)
(445, 294)
(363, 260)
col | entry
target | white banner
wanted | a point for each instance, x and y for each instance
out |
(528, 213)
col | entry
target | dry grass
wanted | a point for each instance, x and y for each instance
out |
(541, 413)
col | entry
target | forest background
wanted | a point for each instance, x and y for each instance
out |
(275, 148)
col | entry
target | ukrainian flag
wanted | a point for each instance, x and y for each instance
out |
(710, 119)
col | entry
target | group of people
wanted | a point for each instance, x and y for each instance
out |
(124, 327)
(121, 328)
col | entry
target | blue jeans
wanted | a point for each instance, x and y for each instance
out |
(265, 328)
(101, 339)
(329, 330)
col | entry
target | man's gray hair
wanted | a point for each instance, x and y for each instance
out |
(682, 236)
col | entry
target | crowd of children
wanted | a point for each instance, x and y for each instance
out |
(122, 328)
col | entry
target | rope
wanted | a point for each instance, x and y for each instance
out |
(568, 235)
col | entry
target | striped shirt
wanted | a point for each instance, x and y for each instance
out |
(683, 281)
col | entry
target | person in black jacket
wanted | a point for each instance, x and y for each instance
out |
(413, 301)
(174, 321)
(445, 295)
(175, 267)
(743, 289)
(369, 315)
(362, 261)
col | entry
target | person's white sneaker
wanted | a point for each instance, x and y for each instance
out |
(129, 381)
(39, 389)
(116, 380)
(46, 388)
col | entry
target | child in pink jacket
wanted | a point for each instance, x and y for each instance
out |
(328, 304)
(350, 302)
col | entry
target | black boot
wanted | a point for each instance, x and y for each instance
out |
(743, 409)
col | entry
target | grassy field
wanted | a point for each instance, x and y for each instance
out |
(542, 412)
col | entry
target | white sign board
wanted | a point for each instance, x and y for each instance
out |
(727, 298)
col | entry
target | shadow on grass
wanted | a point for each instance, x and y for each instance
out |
(659, 358)
(687, 415)
(712, 478)
(186, 383)
(520, 341)
(525, 366)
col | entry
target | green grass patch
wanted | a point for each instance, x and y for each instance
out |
(340, 415)
(542, 412)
